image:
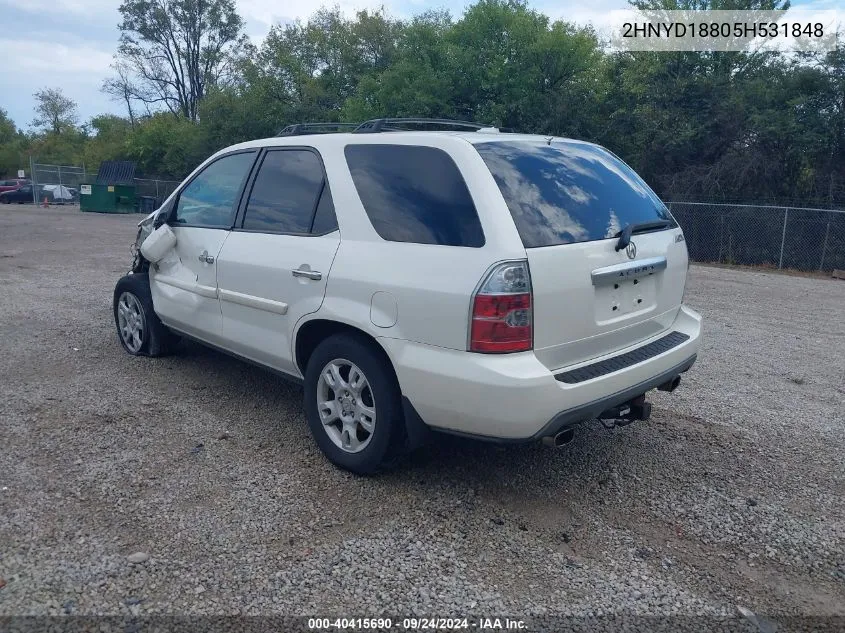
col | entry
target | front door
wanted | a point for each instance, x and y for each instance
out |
(273, 267)
(184, 282)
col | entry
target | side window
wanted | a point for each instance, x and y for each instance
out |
(285, 194)
(210, 198)
(325, 220)
(414, 194)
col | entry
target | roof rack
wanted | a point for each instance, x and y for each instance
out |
(298, 129)
(389, 125)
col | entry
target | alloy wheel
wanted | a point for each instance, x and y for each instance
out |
(131, 321)
(346, 405)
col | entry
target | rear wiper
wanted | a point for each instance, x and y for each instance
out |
(625, 234)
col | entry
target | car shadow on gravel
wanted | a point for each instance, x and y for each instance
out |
(265, 395)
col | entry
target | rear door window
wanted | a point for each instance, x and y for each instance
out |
(325, 220)
(568, 191)
(285, 194)
(414, 194)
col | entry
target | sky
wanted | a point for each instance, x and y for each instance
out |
(69, 44)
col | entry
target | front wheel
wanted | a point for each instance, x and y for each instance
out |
(353, 404)
(140, 331)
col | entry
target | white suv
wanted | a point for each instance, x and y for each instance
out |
(475, 282)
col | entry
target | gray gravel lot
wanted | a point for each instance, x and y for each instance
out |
(732, 495)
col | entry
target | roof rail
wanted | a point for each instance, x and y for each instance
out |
(298, 129)
(389, 125)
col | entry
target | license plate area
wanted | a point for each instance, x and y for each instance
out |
(624, 297)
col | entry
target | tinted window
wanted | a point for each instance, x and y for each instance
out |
(285, 192)
(325, 220)
(568, 191)
(210, 199)
(414, 194)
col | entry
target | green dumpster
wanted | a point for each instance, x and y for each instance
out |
(107, 198)
(113, 191)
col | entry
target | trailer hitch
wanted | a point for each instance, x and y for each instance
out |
(624, 414)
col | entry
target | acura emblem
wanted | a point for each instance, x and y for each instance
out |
(631, 250)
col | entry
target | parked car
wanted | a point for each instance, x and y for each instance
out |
(492, 285)
(20, 195)
(14, 183)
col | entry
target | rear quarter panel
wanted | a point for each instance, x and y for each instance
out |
(432, 285)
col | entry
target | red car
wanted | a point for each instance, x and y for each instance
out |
(14, 183)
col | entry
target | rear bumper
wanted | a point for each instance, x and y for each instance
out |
(591, 410)
(514, 397)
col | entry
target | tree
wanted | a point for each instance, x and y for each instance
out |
(122, 88)
(108, 140)
(313, 68)
(8, 131)
(11, 144)
(165, 146)
(172, 51)
(54, 111)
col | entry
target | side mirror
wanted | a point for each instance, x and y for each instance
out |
(158, 243)
(163, 216)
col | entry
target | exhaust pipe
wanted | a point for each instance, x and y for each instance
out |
(670, 385)
(560, 439)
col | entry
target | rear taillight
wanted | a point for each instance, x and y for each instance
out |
(502, 313)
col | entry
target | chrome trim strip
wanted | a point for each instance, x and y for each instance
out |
(190, 286)
(251, 301)
(627, 270)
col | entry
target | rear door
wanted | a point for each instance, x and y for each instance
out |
(570, 201)
(184, 283)
(273, 268)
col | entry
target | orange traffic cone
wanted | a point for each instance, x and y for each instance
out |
(45, 204)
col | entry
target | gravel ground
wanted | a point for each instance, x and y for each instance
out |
(202, 467)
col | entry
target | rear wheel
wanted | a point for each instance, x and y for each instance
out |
(353, 404)
(140, 331)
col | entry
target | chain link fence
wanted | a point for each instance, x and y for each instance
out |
(755, 235)
(60, 184)
(158, 189)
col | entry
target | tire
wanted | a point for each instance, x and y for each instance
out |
(384, 444)
(145, 334)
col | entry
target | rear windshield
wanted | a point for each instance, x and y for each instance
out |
(569, 192)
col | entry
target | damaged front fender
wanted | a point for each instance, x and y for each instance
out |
(145, 227)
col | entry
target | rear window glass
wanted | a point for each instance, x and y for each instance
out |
(414, 194)
(569, 192)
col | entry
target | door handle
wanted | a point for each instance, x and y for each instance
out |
(308, 274)
(205, 257)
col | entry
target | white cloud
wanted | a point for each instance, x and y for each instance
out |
(262, 14)
(54, 58)
(84, 7)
